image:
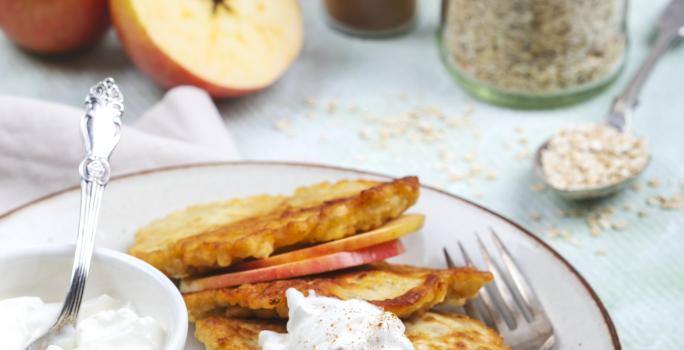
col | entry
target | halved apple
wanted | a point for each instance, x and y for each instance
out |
(326, 263)
(388, 232)
(227, 47)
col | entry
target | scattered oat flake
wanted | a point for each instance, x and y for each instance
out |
(654, 182)
(310, 101)
(536, 216)
(567, 236)
(675, 201)
(618, 225)
(537, 187)
(282, 124)
(628, 207)
(600, 252)
(642, 213)
(445, 155)
(606, 210)
(518, 130)
(365, 134)
(455, 177)
(653, 200)
(522, 155)
(332, 106)
(491, 176)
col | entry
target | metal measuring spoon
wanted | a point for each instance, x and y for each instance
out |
(101, 130)
(670, 26)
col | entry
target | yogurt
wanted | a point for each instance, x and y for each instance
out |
(323, 323)
(104, 324)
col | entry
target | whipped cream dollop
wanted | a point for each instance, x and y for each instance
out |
(104, 324)
(323, 323)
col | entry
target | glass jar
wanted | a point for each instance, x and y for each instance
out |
(533, 53)
(371, 18)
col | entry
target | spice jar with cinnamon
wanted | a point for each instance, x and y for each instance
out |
(372, 18)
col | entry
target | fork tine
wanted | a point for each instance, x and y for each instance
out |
(509, 304)
(465, 255)
(491, 309)
(490, 315)
(518, 279)
(469, 307)
(471, 310)
(447, 258)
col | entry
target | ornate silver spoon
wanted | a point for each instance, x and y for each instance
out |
(101, 130)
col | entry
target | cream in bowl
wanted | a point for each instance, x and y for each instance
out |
(127, 305)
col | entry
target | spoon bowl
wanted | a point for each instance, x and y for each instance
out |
(585, 193)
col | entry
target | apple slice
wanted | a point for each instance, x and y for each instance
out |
(388, 232)
(326, 263)
(227, 47)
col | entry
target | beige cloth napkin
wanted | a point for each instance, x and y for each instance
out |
(41, 146)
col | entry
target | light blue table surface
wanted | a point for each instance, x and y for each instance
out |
(638, 271)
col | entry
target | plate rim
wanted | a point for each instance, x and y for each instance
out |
(599, 304)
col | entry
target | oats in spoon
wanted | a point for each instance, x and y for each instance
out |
(591, 156)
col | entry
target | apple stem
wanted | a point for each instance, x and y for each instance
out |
(222, 3)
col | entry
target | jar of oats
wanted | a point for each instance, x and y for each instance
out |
(533, 53)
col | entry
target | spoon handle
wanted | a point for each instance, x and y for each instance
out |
(101, 130)
(670, 26)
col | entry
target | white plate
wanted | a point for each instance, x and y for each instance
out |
(579, 318)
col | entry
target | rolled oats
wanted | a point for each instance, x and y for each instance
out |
(592, 156)
(535, 47)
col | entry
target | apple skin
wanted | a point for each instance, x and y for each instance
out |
(150, 59)
(392, 230)
(311, 266)
(54, 26)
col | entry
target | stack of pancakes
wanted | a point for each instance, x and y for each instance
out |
(218, 238)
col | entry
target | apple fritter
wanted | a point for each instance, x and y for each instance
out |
(211, 236)
(400, 289)
(430, 331)
(223, 333)
(448, 331)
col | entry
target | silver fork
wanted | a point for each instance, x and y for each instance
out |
(101, 129)
(508, 304)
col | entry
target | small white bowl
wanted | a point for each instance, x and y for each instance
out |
(44, 272)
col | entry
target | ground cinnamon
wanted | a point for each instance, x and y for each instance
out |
(372, 17)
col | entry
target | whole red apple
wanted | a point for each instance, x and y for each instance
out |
(54, 26)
